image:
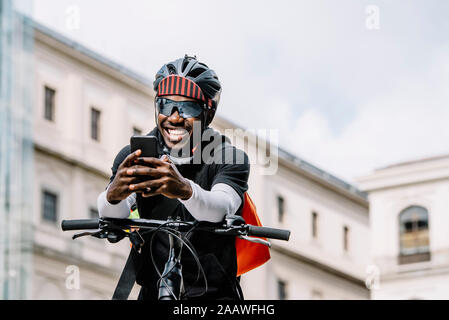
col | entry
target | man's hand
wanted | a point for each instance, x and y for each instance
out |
(166, 179)
(119, 188)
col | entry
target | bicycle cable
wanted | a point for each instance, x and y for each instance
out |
(194, 254)
(189, 246)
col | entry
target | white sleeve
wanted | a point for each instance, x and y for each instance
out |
(119, 210)
(212, 205)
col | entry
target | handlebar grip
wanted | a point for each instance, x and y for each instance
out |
(266, 232)
(81, 224)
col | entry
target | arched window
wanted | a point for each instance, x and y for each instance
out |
(414, 235)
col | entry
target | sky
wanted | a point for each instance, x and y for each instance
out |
(351, 86)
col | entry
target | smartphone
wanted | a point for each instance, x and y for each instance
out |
(148, 145)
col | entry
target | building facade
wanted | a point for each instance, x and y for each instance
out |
(86, 108)
(327, 254)
(409, 221)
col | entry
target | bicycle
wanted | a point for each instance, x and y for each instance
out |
(170, 284)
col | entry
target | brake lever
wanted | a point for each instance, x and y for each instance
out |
(96, 234)
(256, 240)
(113, 237)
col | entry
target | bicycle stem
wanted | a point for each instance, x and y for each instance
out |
(171, 284)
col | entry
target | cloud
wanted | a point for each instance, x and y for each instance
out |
(343, 97)
(409, 123)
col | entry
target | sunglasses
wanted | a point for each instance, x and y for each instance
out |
(186, 109)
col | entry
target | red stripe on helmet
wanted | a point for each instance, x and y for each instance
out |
(172, 82)
(161, 87)
(192, 90)
(183, 86)
(177, 85)
(188, 88)
(198, 93)
(165, 86)
(169, 85)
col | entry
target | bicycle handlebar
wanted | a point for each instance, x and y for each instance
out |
(170, 283)
(82, 224)
(245, 229)
(266, 232)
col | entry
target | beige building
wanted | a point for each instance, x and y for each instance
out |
(409, 229)
(86, 109)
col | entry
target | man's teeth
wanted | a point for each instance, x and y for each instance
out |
(177, 132)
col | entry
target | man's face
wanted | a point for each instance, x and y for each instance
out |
(175, 128)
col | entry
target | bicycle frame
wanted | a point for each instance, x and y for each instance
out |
(171, 284)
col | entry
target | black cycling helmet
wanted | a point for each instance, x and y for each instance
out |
(201, 75)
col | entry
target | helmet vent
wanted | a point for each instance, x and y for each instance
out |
(184, 65)
(171, 69)
(196, 72)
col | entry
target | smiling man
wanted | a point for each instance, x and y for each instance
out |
(176, 127)
(183, 182)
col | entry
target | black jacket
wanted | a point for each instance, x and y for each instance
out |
(216, 253)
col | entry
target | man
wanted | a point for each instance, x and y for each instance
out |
(184, 182)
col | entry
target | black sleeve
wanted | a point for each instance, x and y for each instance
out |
(234, 174)
(118, 161)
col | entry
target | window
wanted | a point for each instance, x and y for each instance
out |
(95, 124)
(49, 206)
(414, 235)
(281, 208)
(93, 213)
(137, 131)
(49, 104)
(314, 225)
(282, 289)
(346, 238)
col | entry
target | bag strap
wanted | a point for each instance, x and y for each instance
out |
(127, 278)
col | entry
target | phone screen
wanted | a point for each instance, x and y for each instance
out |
(148, 145)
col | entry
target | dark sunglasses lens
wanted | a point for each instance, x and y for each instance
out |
(190, 109)
(186, 109)
(164, 107)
